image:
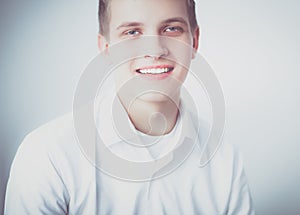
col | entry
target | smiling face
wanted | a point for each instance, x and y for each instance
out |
(168, 21)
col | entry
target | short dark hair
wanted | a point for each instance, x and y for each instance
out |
(104, 15)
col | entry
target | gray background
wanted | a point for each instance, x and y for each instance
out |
(252, 46)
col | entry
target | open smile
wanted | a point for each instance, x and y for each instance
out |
(156, 70)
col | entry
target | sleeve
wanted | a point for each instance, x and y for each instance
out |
(35, 185)
(240, 202)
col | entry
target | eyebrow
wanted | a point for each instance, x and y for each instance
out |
(167, 21)
(129, 24)
(175, 19)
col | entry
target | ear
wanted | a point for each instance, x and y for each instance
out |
(196, 35)
(102, 43)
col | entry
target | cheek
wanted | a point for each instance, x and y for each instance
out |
(124, 73)
(180, 74)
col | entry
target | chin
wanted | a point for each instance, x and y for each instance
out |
(154, 97)
(170, 94)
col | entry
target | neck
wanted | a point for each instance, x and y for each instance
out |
(153, 118)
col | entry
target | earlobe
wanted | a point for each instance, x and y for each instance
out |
(102, 43)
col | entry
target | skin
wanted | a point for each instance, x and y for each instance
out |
(130, 21)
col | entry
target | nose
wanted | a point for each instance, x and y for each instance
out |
(156, 48)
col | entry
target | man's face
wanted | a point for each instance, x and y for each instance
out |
(132, 20)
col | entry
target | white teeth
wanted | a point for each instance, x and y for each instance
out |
(154, 71)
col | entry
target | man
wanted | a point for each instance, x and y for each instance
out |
(51, 174)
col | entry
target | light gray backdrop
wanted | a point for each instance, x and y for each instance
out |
(252, 45)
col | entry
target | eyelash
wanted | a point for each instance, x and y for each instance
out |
(136, 32)
(177, 29)
(132, 30)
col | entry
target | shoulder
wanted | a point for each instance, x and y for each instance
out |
(44, 143)
(52, 139)
(214, 151)
(37, 172)
(45, 169)
(47, 152)
(52, 149)
(54, 132)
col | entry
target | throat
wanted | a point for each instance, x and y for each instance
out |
(153, 119)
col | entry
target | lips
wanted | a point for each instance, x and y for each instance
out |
(155, 70)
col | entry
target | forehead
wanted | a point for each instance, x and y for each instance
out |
(146, 11)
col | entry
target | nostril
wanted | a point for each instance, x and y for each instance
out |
(158, 53)
(165, 51)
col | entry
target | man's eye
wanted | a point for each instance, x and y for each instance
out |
(173, 29)
(132, 32)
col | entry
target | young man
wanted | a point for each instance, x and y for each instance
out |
(51, 174)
